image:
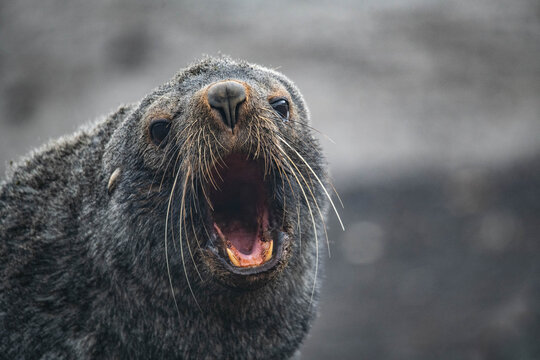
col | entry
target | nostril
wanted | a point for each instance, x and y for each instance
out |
(224, 116)
(226, 97)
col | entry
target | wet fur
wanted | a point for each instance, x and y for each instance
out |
(82, 265)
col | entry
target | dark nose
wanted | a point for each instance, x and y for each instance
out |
(226, 97)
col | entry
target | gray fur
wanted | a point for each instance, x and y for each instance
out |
(82, 261)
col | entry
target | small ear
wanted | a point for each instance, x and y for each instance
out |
(112, 180)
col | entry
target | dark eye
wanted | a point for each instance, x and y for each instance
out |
(282, 108)
(159, 129)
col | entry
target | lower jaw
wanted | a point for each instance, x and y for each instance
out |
(277, 254)
(238, 260)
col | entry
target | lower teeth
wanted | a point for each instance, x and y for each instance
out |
(266, 255)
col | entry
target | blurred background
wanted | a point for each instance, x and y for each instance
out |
(434, 108)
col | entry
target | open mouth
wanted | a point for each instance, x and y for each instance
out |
(242, 217)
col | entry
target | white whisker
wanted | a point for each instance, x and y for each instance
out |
(166, 245)
(181, 247)
(319, 180)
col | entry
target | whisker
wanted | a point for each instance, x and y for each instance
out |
(337, 194)
(201, 168)
(164, 172)
(207, 171)
(316, 177)
(220, 158)
(329, 180)
(172, 151)
(273, 115)
(313, 196)
(166, 244)
(307, 144)
(183, 217)
(193, 229)
(314, 129)
(299, 226)
(314, 233)
(189, 248)
(213, 159)
(283, 175)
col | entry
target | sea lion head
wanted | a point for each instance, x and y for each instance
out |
(217, 175)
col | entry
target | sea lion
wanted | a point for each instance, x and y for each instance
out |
(188, 225)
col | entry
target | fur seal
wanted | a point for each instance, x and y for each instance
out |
(188, 225)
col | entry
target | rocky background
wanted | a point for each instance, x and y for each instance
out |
(434, 110)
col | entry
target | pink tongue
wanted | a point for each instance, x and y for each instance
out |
(242, 239)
